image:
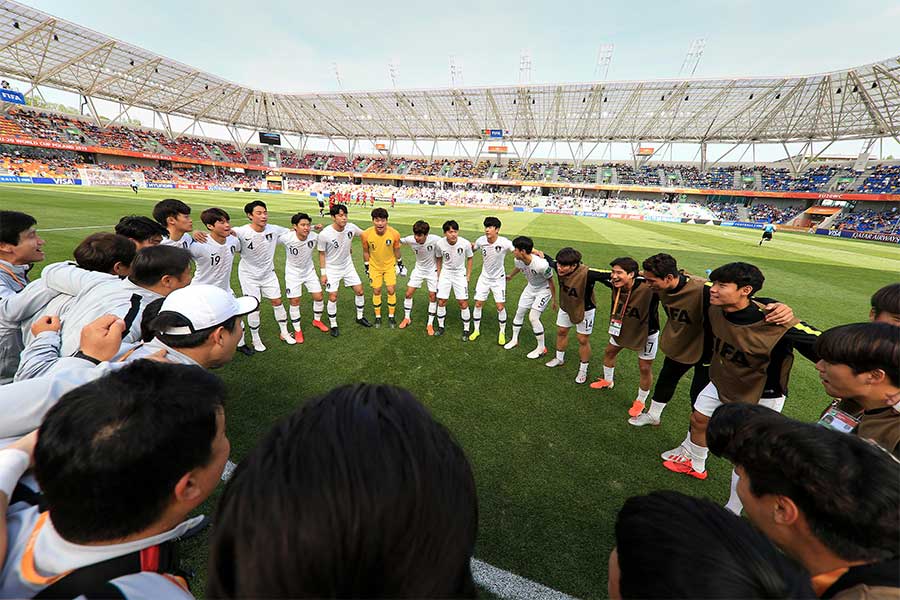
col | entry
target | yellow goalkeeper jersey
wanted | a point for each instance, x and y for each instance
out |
(381, 247)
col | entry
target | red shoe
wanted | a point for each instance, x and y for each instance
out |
(683, 464)
(637, 408)
(320, 326)
(404, 323)
(602, 384)
(430, 329)
(298, 336)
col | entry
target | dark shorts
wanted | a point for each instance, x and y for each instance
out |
(767, 235)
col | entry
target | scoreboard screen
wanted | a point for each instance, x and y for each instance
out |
(273, 139)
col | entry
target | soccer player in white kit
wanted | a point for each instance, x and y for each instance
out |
(214, 258)
(424, 245)
(536, 295)
(175, 216)
(492, 279)
(299, 270)
(334, 259)
(454, 264)
(256, 271)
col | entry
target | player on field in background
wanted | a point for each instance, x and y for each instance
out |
(134, 185)
(143, 231)
(381, 253)
(175, 216)
(536, 295)
(214, 258)
(299, 270)
(454, 265)
(492, 279)
(768, 232)
(334, 259)
(256, 271)
(424, 245)
(320, 197)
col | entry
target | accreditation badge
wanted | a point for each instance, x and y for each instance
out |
(615, 327)
(837, 420)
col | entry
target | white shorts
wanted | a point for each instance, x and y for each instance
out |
(650, 348)
(418, 276)
(486, 285)
(347, 274)
(584, 328)
(453, 280)
(294, 281)
(708, 401)
(260, 287)
(535, 299)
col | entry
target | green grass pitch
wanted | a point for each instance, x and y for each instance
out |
(553, 460)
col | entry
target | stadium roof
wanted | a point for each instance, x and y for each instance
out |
(857, 103)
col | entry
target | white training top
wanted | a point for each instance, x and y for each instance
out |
(494, 255)
(258, 249)
(299, 252)
(425, 253)
(214, 261)
(538, 273)
(454, 257)
(185, 242)
(336, 245)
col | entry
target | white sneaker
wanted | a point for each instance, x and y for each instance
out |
(287, 339)
(680, 450)
(643, 419)
(581, 377)
(555, 362)
(537, 353)
(510, 344)
(259, 346)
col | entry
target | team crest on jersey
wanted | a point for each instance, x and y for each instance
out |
(498, 248)
(309, 244)
(231, 248)
(429, 248)
(389, 242)
(350, 234)
(268, 237)
(459, 250)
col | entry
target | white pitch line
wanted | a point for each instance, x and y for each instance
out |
(510, 586)
(73, 228)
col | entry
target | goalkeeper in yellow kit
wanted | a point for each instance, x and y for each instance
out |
(381, 254)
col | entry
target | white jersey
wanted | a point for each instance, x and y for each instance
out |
(538, 273)
(425, 253)
(214, 261)
(454, 257)
(336, 245)
(258, 249)
(299, 252)
(494, 255)
(184, 243)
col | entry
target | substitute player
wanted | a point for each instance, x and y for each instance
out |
(536, 295)
(424, 245)
(768, 232)
(381, 254)
(454, 265)
(492, 279)
(334, 259)
(256, 271)
(299, 270)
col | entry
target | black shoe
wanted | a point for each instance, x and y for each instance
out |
(246, 350)
(439, 331)
(392, 322)
(334, 332)
(377, 322)
(465, 336)
(364, 322)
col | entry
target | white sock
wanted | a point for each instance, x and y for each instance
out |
(407, 307)
(281, 318)
(734, 503)
(464, 313)
(360, 306)
(501, 317)
(535, 318)
(516, 329)
(476, 315)
(253, 322)
(295, 317)
(583, 368)
(332, 313)
(441, 313)
(561, 355)
(698, 456)
(318, 305)
(609, 373)
(432, 308)
(656, 409)
(642, 395)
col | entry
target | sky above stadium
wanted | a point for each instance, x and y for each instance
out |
(289, 46)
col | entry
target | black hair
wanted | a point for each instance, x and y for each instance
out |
(451, 224)
(887, 299)
(337, 209)
(847, 489)
(167, 319)
(248, 208)
(739, 273)
(421, 228)
(101, 251)
(300, 216)
(150, 264)
(568, 256)
(661, 265)
(211, 216)
(359, 493)
(379, 213)
(626, 263)
(732, 558)
(169, 207)
(863, 347)
(523, 243)
(491, 222)
(110, 452)
(12, 224)
(140, 229)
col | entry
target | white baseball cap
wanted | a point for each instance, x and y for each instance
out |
(204, 306)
